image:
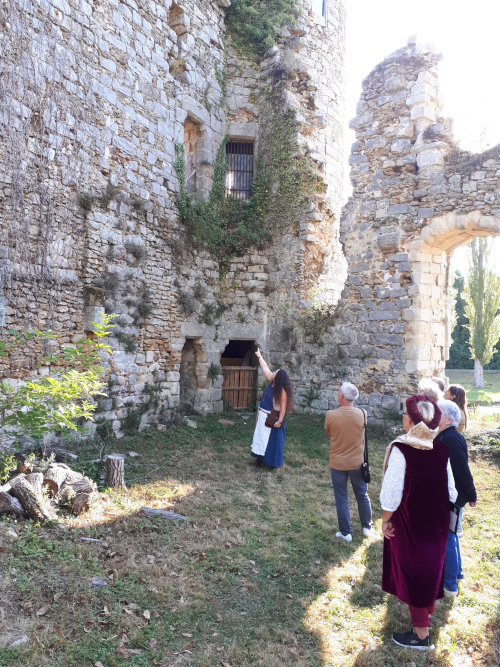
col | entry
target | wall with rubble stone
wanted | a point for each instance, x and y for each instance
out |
(88, 185)
(416, 198)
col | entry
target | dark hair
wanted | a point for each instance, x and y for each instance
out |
(459, 397)
(439, 382)
(282, 382)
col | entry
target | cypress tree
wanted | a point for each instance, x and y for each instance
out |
(482, 296)
(459, 349)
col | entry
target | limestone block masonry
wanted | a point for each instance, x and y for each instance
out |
(94, 97)
(416, 198)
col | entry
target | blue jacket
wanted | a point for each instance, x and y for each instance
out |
(459, 461)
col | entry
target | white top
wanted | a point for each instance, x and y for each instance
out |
(394, 481)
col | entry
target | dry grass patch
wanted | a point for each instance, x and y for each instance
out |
(255, 577)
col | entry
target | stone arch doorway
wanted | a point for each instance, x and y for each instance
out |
(193, 380)
(188, 382)
(428, 332)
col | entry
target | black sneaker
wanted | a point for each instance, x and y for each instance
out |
(410, 640)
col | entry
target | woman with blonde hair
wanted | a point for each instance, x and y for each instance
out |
(456, 393)
(416, 490)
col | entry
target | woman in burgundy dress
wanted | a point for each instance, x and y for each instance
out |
(416, 491)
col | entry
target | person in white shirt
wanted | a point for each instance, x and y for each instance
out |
(416, 489)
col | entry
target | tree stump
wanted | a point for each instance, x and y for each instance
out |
(29, 499)
(11, 506)
(36, 481)
(115, 470)
(55, 477)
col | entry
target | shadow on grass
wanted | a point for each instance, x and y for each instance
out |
(258, 550)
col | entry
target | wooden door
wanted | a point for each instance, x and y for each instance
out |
(240, 386)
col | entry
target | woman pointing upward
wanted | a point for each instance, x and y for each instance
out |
(269, 441)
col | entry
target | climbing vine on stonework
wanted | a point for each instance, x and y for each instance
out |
(254, 24)
(283, 183)
(227, 227)
(292, 175)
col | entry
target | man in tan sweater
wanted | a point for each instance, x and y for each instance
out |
(345, 427)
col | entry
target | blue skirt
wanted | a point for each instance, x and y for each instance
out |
(275, 448)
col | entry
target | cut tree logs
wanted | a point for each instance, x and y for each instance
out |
(60, 455)
(163, 514)
(54, 478)
(77, 491)
(29, 499)
(23, 494)
(36, 481)
(115, 470)
(11, 506)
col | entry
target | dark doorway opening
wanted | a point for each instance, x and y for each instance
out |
(239, 353)
(240, 367)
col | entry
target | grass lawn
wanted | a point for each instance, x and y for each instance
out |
(490, 393)
(255, 576)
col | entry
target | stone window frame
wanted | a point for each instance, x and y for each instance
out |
(205, 146)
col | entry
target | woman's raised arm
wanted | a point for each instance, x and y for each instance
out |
(264, 366)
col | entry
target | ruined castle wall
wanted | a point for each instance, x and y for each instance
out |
(91, 116)
(415, 199)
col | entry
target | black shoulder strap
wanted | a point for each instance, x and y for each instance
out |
(366, 439)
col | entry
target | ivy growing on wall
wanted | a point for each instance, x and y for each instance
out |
(225, 226)
(284, 180)
(254, 24)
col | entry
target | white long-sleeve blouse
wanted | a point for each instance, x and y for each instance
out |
(394, 481)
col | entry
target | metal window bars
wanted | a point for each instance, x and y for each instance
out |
(239, 174)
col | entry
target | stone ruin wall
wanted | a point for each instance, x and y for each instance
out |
(117, 86)
(98, 94)
(416, 198)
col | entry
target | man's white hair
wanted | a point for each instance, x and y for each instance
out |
(349, 391)
(450, 410)
(430, 389)
(426, 411)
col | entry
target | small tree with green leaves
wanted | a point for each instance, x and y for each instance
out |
(56, 402)
(482, 296)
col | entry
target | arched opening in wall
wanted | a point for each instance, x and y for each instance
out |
(240, 368)
(427, 330)
(188, 383)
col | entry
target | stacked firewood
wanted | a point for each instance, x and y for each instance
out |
(38, 487)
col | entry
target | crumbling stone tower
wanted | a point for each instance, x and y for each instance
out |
(416, 199)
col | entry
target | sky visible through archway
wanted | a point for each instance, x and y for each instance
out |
(467, 36)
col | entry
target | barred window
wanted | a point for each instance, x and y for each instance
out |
(239, 174)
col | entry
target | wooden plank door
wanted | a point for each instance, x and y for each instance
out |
(240, 386)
